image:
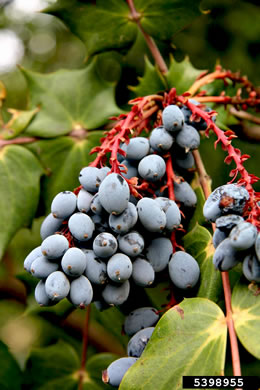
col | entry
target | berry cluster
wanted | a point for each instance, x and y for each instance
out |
(99, 239)
(117, 231)
(235, 239)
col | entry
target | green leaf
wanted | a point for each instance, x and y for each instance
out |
(190, 339)
(159, 295)
(18, 123)
(63, 158)
(246, 315)
(57, 367)
(10, 373)
(112, 320)
(19, 191)
(163, 19)
(108, 24)
(104, 26)
(182, 74)
(198, 216)
(151, 82)
(69, 100)
(45, 364)
(98, 363)
(198, 243)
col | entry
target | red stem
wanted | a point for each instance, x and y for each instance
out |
(231, 327)
(234, 100)
(84, 349)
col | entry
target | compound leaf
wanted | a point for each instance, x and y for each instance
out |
(108, 24)
(187, 335)
(19, 191)
(69, 100)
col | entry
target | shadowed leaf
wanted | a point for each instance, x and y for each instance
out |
(10, 374)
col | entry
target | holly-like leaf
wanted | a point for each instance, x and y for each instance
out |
(187, 335)
(18, 123)
(69, 100)
(151, 82)
(108, 24)
(246, 315)
(19, 191)
(182, 74)
(10, 373)
(62, 159)
(163, 19)
(198, 243)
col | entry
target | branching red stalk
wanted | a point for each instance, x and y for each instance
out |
(234, 154)
(84, 349)
(234, 100)
(207, 78)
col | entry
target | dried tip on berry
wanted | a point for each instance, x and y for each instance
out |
(55, 215)
(44, 253)
(105, 377)
(82, 306)
(85, 235)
